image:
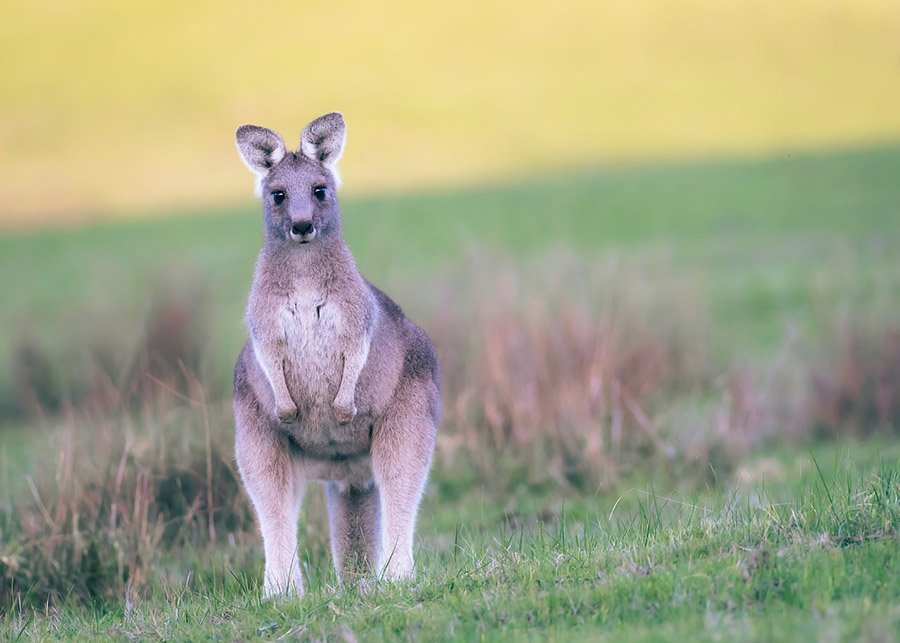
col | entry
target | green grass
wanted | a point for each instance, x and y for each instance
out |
(810, 554)
(788, 545)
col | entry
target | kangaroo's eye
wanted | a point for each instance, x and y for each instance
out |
(277, 196)
(319, 192)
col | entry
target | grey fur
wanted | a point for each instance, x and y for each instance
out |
(335, 383)
(261, 148)
(323, 139)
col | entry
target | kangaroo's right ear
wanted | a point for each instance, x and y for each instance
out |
(261, 148)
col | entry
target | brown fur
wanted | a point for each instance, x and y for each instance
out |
(335, 384)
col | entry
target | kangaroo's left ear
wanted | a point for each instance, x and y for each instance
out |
(323, 139)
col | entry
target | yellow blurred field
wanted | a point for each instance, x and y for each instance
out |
(114, 108)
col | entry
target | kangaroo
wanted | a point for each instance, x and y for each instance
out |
(335, 384)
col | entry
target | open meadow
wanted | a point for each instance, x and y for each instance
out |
(671, 409)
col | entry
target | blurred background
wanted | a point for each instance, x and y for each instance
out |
(652, 241)
(112, 109)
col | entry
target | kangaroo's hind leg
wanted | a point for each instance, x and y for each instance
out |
(402, 446)
(354, 514)
(275, 489)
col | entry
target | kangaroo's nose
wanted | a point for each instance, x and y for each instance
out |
(302, 228)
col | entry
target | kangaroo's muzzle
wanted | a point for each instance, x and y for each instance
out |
(303, 231)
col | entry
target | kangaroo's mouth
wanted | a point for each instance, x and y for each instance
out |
(302, 232)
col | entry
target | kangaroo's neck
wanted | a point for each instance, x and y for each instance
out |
(321, 258)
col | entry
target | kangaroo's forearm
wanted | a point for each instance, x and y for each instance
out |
(355, 357)
(270, 359)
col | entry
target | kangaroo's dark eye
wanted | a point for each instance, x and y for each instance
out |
(319, 192)
(277, 196)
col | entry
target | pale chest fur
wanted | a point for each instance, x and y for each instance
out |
(312, 324)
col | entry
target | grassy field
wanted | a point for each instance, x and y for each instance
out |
(734, 474)
(808, 554)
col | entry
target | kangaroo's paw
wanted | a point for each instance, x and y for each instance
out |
(344, 412)
(287, 412)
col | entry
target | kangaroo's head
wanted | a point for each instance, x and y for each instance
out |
(298, 189)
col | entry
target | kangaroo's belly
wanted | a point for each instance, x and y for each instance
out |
(313, 367)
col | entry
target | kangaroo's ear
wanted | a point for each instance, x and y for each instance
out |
(261, 148)
(323, 140)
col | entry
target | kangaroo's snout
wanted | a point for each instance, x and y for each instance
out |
(303, 231)
(304, 227)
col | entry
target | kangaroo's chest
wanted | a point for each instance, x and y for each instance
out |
(312, 326)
